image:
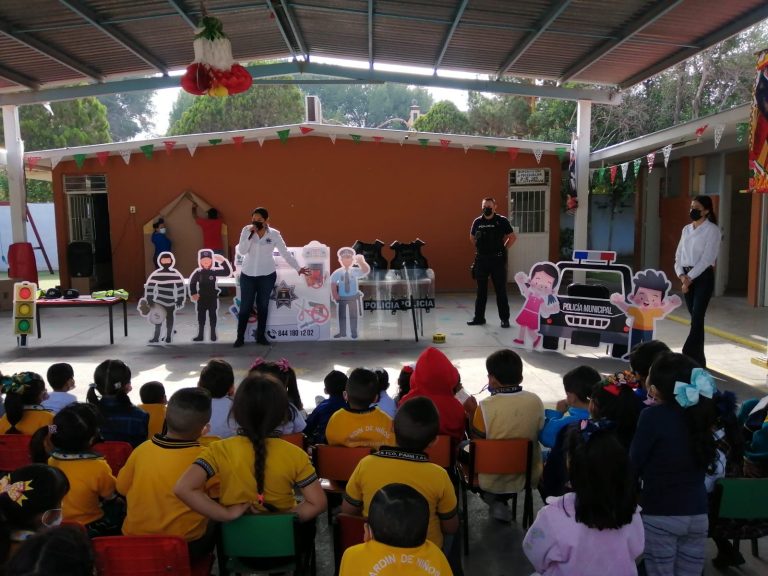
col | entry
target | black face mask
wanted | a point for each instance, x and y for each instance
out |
(695, 214)
(487, 211)
(259, 225)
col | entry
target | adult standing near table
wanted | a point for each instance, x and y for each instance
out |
(694, 265)
(491, 234)
(210, 228)
(257, 273)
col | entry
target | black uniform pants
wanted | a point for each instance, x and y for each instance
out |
(697, 300)
(495, 268)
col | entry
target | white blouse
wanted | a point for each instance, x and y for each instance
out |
(257, 252)
(698, 249)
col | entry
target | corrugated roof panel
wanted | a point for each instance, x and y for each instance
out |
(30, 63)
(552, 54)
(350, 34)
(442, 9)
(520, 15)
(475, 48)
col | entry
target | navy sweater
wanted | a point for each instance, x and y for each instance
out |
(673, 483)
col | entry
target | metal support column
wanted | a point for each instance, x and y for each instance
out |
(17, 193)
(583, 133)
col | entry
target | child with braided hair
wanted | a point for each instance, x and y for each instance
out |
(258, 471)
(281, 370)
(24, 393)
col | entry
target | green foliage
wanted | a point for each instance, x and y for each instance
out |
(499, 115)
(443, 117)
(262, 105)
(129, 113)
(183, 102)
(37, 190)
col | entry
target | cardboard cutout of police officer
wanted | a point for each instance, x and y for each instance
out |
(345, 291)
(164, 293)
(203, 289)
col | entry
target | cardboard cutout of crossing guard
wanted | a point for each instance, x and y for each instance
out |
(164, 294)
(345, 291)
(539, 288)
(204, 292)
(648, 302)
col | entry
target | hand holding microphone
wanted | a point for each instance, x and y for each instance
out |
(255, 226)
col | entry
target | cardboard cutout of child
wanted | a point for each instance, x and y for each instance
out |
(203, 289)
(164, 294)
(648, 303)
(539, 288)
(345, 291)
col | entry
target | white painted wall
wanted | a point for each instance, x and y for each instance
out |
(45, 221)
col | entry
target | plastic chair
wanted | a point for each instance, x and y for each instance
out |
(742, 510)
(440, 451)
(348, 530)
(259, 543)
(141, 556)
(335, 464)
(116, 453)
(208, 440)
(297, 438)
(496, 457)
(14, 451)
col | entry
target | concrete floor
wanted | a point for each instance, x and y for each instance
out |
(80, 337)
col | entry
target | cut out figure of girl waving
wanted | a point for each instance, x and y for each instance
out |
(539, 289)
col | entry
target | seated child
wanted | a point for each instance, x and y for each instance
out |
(122, 421)
(403, 382)
(335, 383)
(596, 529)
(640, 360)
(396, 533)
(416, 426)
(509, 412)
(359, 424)
(60, 550)
(24, 413)
(153, 401)
(255, 469)
(578, 385)
(30, 501)
(295, 417)
(61, 379)
(91, 497)
(386, 403)
(468, 402)
(219, 379)
(152, 470)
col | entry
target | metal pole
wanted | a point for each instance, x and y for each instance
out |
(583, 133)
(17, 193)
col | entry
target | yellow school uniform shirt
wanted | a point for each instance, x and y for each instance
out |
(156, 418)
(147, 482)
(393, 465)
(90, 479)
(376, 558)
(33, 418)
(371, 427)
(287, 467)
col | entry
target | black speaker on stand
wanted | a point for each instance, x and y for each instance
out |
(80, 259)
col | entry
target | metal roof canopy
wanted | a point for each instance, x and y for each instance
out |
(617, 44)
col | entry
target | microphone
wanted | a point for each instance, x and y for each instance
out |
(251, 234)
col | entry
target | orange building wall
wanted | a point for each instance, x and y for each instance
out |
(314, 190)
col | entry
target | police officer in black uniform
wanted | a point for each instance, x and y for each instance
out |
(491, 233)
(203, 290)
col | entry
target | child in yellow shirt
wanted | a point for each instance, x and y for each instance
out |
(151, 472)
(91, 500)
(396, 538)
(360, 424)
(24, 393)
(153, 402)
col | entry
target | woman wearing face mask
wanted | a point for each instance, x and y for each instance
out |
(694, 265)
(160, 239)
(257, 273)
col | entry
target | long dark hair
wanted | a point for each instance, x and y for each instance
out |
(111, 378)
(44, 488)
(706, 203)
(259, 406)
(619, 404)
(668, 369)
(74, 429)
(283, 372)
(22, 389)
(599, 471)
(62, 550)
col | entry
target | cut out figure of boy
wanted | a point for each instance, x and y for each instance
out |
(203, 290)
(647, 304)
(344, 288)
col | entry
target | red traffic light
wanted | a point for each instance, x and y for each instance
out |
(25, 292)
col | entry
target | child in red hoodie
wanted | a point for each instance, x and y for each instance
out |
(436, 378)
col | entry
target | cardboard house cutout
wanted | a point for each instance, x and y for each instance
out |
(345, 290)
(204, 291)
(164, 294)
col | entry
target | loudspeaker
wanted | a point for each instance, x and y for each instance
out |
(80, 259)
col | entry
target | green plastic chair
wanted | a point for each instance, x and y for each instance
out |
(742, 499)
(259, 543)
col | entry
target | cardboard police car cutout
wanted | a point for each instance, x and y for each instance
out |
(204, 292)
(345, 290)
(164, 294)
(648, 302)
(538, 288)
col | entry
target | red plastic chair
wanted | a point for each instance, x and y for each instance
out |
(297, 439)
(14, 451)
(348, 530)
(141, 556)
(115, 452)
(440, 452)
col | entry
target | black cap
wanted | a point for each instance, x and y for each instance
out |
(71, 294)
(52, 294)
(206, 253)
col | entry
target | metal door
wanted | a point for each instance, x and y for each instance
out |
(529, 191)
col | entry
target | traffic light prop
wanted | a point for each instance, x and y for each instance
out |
(24, 308)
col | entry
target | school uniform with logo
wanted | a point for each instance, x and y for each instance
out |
(376, 558)
(370, 427)
(90, 480)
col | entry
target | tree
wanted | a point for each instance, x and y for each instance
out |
(262, 105)
(498, 115)
(443, 117)
(37, 190)
(184, 101)
(129, 114)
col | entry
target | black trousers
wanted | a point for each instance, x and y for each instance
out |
(254, 289)
(697, 299)
(495, 268)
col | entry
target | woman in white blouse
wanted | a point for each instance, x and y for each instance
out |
(257, 273)
(694, 265)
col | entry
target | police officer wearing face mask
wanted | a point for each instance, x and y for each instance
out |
(257, 273)
(160, 239)
(491, 234)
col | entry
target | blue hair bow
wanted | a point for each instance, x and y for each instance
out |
(702, 384)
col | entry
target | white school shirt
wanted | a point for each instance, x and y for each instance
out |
(57, 400)
(698, 249)
(221, 424)
(257, 252)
